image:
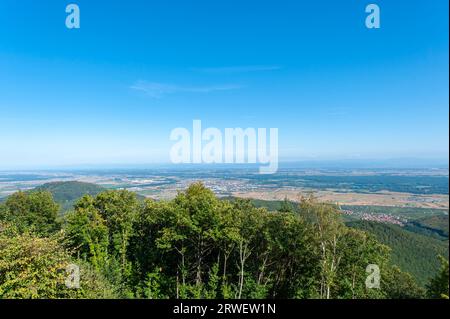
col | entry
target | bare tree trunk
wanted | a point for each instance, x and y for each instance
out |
(183, 269)
(242, 258)
(353, 283)
(225, 259)
(261, 273)
(178, 286)
(198, 278)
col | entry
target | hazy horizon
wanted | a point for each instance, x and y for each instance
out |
(391, 163)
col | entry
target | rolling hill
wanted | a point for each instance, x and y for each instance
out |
(412, 252)
(67, 193)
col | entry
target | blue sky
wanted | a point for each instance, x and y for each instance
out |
(112, 91)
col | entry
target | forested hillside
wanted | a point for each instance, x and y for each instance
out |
(66, 193)
(414, 246)
(435, 225)
(412, 252)
(194, 246)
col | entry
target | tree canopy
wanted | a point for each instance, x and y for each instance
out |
(194, 246)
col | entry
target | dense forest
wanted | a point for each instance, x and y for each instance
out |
(194, 246)
(67, 193)
(413, 245)
(412, 252)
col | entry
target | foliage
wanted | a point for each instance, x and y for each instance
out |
(67, 193)
(436, 223)
(413, 253)
(438, 287)
(34, 267)
(400, 285)
(194, 246)
(33, 210)
(99, 230)
(87, 233)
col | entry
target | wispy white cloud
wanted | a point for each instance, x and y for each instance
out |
(239, 69)
(158, 90)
